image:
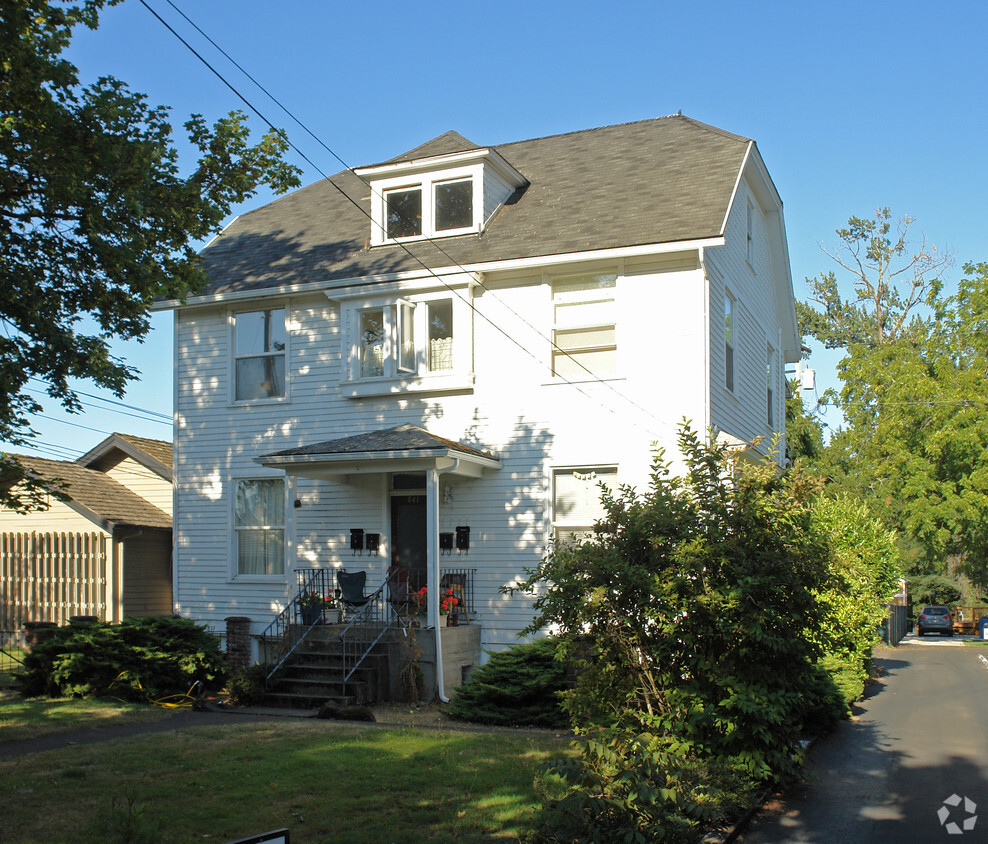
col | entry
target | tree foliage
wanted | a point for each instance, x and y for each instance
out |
(688, 608)
(916, 445)
(96, 218)
(891, 278)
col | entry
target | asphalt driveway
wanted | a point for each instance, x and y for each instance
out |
(912, 763)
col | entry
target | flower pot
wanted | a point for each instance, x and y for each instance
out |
(310, 615)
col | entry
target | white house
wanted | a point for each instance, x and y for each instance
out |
(435, 358)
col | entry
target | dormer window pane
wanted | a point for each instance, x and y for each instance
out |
(454, 205)
(405, 213)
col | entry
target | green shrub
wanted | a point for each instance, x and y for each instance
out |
(519, 686)
(247, 685)
(688, 609)
(140, 659)
(628, 786)
(864, 572)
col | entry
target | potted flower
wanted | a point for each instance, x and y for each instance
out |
(312, 604)
(418, 601)
(446, 605)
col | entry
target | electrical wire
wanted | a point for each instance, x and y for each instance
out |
(403, 246)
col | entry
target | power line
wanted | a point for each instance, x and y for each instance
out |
(142, 416)
(367, 214)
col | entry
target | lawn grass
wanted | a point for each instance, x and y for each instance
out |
(22, 718)
(326, 781)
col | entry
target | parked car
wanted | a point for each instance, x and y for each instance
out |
(935, 620)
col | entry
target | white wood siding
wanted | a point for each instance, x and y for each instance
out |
(532, 421)
(744, 413)
(145, 483)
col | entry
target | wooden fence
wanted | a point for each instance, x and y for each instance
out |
(51, 577)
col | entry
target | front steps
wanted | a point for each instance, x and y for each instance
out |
(313, 675)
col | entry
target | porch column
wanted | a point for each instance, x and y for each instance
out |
(432, 545)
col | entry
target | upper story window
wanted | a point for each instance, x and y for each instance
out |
(729, 341)
(439, 196)
(749, 221)
(584, 333)
(422, 342)
(260, 339)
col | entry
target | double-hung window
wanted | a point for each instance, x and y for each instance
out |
(260, 339)
(576, 504)
(584, 335)
(259, 526)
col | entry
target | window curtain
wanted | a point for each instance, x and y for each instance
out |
(260, 526)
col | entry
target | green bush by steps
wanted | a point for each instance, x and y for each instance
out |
(517, 687)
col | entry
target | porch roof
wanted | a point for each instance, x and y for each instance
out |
(407, 448)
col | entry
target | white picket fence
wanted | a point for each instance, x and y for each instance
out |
(51, 577)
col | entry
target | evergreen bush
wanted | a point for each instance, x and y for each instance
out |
(519, 686)
(140, 659)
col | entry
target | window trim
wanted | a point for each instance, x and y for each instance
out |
(574, 525)
(426, 183)
(770, 370)
(285, 528)
(590, 296)
(420, 378)
(730, 337)
(236, 357)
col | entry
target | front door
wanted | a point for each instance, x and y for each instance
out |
(409, 537)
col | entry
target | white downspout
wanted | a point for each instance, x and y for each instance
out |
(432, 532)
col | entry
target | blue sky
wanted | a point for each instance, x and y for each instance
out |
(853, 105)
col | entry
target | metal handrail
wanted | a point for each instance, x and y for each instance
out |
(287, 631)
(367, 627)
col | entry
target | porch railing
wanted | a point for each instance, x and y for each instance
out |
(366, 627)
(282, 636)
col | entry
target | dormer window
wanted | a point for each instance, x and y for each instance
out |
(442, 196)
(454, 205)
(404, 213)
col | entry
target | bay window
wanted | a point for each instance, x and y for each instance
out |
(419, 343)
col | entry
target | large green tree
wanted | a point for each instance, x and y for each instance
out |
(97, 219)
(913, 395)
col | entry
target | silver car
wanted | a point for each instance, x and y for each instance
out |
(935, 620)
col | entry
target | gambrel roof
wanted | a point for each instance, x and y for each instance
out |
(666, 180)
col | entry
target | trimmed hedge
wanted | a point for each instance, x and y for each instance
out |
(141, 659)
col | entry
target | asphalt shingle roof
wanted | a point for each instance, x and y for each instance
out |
(402, 438)
(110, 501)
(655, 181)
